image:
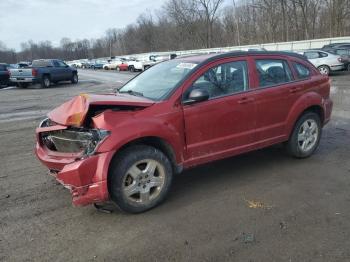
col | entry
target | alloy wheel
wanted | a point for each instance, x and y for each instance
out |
(308, 135)
(323, 70)
(144, 181)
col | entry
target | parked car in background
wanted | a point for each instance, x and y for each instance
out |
(337, 45)
(98, 64)
(324, 61)
(135, 65)
(123, 67)
(181, 113)
(23, 64)
(112, 65)
(44, 72)
(4, 75)
(345, 56)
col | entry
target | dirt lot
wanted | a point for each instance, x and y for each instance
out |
(262, 206)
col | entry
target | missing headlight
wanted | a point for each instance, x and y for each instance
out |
(74, 140)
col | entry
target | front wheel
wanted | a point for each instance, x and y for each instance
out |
(140, 178)
(324, 70)
(306, 136)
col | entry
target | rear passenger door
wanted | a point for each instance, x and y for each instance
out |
(276, 92)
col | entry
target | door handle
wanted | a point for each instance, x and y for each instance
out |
(246, 100)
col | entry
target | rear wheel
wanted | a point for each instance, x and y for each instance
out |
(118, 68)
(131, 68)
(45, 81)
(305, 136)
(348, 67)
(324, 70)
(140, 178)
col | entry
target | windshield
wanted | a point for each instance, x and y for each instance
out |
(158, 81)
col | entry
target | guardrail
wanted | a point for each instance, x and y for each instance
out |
(282, 46)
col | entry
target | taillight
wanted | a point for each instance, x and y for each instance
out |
(34, 72)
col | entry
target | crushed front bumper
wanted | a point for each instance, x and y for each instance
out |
(86, 178)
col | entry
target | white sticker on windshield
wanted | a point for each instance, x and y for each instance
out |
(186, 65)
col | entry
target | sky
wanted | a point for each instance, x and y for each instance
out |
(40, 20)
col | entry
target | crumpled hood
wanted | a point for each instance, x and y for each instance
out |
(73, 112)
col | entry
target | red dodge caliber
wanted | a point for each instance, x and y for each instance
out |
(125, 147)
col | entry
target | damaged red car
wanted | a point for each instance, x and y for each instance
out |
(126, 147)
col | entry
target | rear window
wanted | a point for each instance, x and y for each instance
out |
(302, 71)
(41, 63)
(273, 72)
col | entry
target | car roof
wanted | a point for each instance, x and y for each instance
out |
(210, 57)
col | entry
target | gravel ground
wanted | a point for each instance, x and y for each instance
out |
(261, 206)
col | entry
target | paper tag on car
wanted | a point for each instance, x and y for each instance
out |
(186, 65)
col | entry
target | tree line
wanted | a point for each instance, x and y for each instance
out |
(193, 24)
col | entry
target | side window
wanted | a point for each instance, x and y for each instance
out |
(273, 72)
(225, 79)
(302, 71)
(61, 64)
(312, 55)
(323, 54)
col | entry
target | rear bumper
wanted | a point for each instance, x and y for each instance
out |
(85, 178)
(24, 80)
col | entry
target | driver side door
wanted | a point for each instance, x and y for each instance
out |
(224, 124)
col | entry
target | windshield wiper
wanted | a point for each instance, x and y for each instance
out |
(131, 92)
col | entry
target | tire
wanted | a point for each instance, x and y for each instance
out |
(131, 68)
(324, 70)
(45, 81)
(306, 136)
(22, 85)
(130, 184)
(146, 67)
(75, 78)
(348, 68)
(118, 68)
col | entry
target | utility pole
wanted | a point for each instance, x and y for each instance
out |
(237, 24)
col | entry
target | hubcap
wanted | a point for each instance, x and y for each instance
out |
(47, 82)
(323, 70)
(308, 135)
(144, 181)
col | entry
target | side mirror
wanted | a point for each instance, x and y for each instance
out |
(197, 95)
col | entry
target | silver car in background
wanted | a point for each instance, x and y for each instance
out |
(324, 61)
